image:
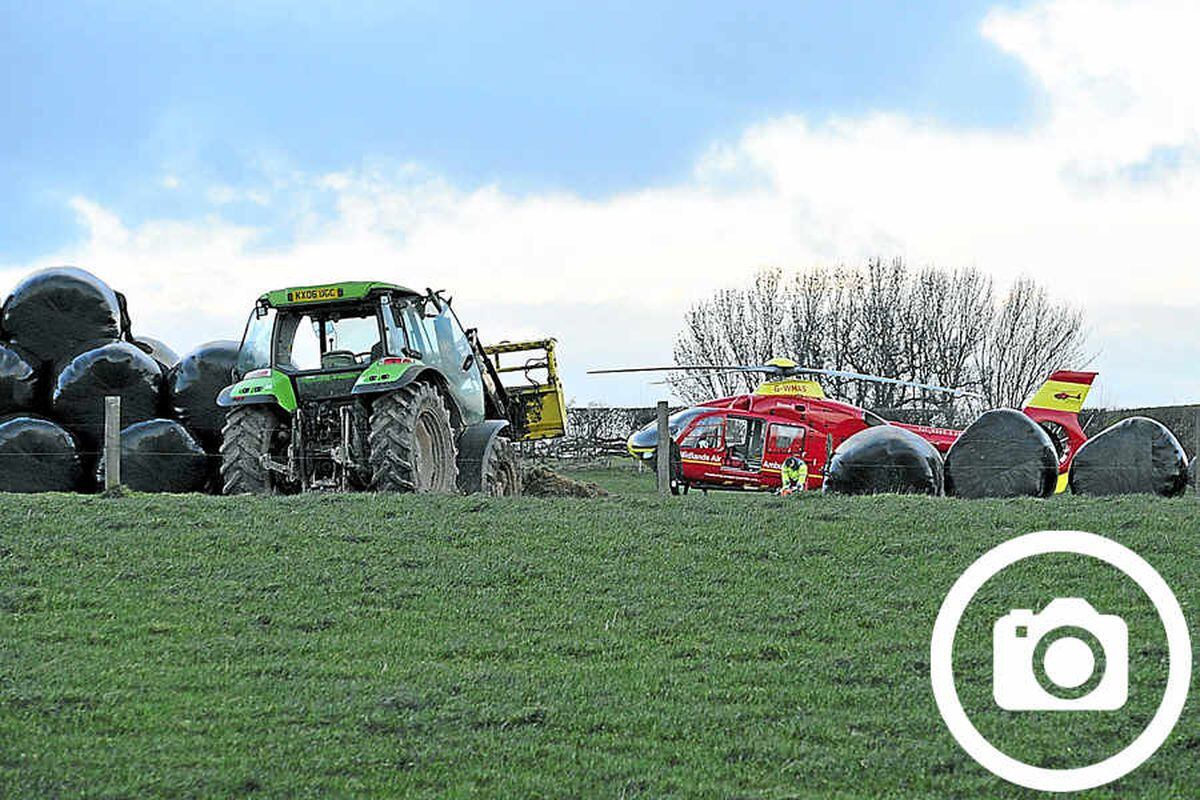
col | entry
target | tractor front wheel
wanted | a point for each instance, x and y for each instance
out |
(412, 442)
(501, 469)
(250, 434)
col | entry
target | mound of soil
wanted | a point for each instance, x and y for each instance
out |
(542, 481)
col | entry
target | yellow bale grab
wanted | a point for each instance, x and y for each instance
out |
(536, 407)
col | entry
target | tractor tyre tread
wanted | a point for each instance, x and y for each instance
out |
(392, 439)
(245, 438)
(502, 457)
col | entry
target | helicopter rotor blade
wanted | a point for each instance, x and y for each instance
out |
(858, 376)
(717, 373)
(770, 369)
(682, 368)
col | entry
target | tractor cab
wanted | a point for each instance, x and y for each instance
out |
(354, 338)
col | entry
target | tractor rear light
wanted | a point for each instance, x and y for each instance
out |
(393, 361)
(258, 373)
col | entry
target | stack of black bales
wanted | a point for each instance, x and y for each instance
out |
(65, 345)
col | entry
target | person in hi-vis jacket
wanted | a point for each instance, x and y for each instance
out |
(794, 475)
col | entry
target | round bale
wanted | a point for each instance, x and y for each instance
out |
(885, 459)
(1138, 455)
(193, 385)
(1004, 453)
(117, 369)
(160, 455)
(37, 455)
(58, 313)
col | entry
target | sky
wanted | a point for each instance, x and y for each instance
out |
(587, 171)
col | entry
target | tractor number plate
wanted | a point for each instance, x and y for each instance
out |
(315, 295)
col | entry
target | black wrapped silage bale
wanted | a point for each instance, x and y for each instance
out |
(37, 455)
(57, 313)
(120, 369)
(1138, 455)
(18, 381)
(158, 350)
(160, 455)
(193, 385)
(885, 459)
(1003, 453)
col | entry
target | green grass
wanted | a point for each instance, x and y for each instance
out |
(628, 646)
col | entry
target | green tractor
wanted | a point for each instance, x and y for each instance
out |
(369, 385)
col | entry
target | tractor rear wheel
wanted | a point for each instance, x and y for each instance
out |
(412, 442)
(250, 433)
(501, 469)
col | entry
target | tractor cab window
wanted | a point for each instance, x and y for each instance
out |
(328, 340)
(255, 352)
(397, 339)
(410, 316)
(405, 326)
(298, 343)
(445, 342)
(353, 336)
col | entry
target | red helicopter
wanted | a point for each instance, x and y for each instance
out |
(741, 442)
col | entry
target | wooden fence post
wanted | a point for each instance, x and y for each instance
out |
(663, 450)
(112, 442)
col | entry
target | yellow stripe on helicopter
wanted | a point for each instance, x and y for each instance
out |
(791, 387)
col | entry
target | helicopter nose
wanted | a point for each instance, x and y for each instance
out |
(641, 443)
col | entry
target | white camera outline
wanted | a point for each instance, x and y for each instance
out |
(1015, 686)
(1069, 779)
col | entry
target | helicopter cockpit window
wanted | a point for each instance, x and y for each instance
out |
(681, 419)
(707, 435)
(677, 421)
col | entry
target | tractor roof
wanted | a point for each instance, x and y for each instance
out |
(345, 292)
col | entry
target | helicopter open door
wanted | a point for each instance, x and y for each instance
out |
(744, 441)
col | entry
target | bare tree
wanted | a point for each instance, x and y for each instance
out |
(931, 325)
(734, 327)
(1029, 335)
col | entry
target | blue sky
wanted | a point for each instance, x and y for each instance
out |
(102, 98)
(589, 170)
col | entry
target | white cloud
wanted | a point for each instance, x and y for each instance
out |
(1098, 199)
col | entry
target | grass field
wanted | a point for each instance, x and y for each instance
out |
(628, 646)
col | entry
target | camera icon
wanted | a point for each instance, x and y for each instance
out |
(1051, 661)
